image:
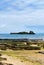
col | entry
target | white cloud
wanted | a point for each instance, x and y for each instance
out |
(18, 13)
(2, 25)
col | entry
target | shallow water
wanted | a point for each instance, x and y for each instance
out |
(20, 36)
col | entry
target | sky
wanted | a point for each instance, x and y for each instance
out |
(21, 15)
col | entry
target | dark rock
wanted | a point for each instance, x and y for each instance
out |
(31, 32)
(41, 52)
(1, 63)
(0, 54)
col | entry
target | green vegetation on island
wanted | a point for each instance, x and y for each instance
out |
(30, 32)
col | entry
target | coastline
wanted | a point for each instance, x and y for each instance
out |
(22, 51)
(23, 39)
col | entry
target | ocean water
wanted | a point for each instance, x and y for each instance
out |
(22, 36)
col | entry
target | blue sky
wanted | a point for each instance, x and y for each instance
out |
(21, 15)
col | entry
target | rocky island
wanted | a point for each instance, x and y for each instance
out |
(30, 32)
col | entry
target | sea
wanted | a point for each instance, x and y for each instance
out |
(22, 36)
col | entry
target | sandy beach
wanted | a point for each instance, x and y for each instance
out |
(23, 57)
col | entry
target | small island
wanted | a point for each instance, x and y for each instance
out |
(30, 32)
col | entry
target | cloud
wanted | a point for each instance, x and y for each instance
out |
(20, 13)
(2, 25)
(20, 5)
